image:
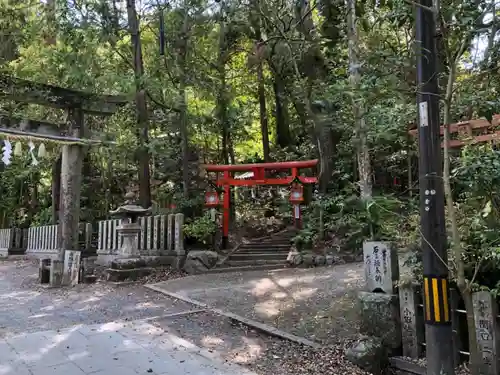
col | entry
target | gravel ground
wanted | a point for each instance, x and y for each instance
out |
(26, 306)
(318, 304)
(262, 354)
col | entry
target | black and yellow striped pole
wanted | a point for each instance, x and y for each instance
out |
(436, 302)
(439, 348)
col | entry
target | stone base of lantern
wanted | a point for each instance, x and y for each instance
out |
(127, 269)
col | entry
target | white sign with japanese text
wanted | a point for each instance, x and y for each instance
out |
(381, 266)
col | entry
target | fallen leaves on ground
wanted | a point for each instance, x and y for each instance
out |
(296, 359)
(159, 274)
(461, 370)
(261, 353)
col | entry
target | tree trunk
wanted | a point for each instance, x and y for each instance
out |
(183, 45)
(261, 91)
(222, 92)
(141, 107)
(50, 36)
(458, 251)
(360, 131)
(263, 113)
(283, 137)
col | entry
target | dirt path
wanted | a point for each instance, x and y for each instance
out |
(318, 304)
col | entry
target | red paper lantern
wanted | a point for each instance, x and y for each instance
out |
(297, 194)
(211, 199)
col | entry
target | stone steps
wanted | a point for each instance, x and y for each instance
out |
(263, 253)
(262, 250)
(224, 268)
(254, 262)
(264, 246)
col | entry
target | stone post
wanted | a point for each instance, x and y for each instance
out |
(71, 267)
(409, 321)
(381, 266)
(180, 253)
(487, 331)
(88, 236)
(71, 181)
(170, 233)
(380, 315)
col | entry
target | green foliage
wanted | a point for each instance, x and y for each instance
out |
(477, 175)
(202, 229)
(351, 221)
(304, 240)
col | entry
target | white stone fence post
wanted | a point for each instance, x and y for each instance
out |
(158, 237)
(43, 241)
(6, 241)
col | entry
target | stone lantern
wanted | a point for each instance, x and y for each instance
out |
(128, 264)
(129, 228)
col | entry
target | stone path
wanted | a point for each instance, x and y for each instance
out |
(25, 306)
(116, 348)
(318, 304)
(93, 329)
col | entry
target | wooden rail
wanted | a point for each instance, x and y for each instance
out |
(469, 130)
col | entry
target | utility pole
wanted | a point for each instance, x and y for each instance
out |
(437, 315)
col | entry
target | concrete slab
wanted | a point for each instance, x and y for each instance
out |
(121, 348)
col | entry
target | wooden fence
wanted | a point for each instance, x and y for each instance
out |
(487, 326)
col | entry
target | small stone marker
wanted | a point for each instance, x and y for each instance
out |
(381, 266)
(485, 312)
(409, 329)
(180, 254)
(178, 237)
(170, 232)
(71, 267)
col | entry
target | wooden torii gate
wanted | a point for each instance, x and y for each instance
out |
(259, 178)
(470, 132)
(73, 137)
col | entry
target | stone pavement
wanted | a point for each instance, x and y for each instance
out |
(116, 348)
(26, 306)
(317, 303)
(93, 329)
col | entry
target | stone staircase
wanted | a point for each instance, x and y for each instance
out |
(262, 253)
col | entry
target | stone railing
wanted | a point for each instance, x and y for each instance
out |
(6, 240)
(42, 240)
(160, 235)
(13, 241)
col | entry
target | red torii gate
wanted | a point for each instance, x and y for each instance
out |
(259, 178)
